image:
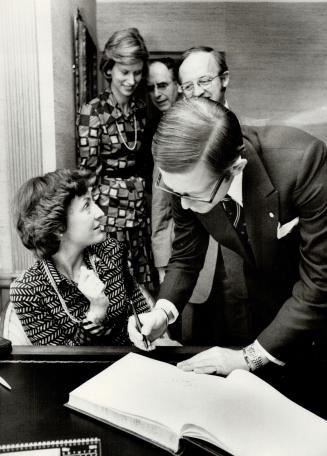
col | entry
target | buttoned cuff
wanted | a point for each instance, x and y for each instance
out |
(169, 309)
(259, 348)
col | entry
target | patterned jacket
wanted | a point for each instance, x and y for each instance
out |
(46, 322)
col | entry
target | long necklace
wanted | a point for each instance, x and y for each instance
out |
(54, 286)
(135, 135)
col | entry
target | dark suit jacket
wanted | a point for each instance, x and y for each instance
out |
(285, 178)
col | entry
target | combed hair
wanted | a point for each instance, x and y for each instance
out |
(40, 209)
(197, 129)
(124, 46)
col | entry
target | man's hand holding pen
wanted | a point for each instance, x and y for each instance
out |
(153, 326)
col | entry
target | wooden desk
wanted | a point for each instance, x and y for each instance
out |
(42, 377)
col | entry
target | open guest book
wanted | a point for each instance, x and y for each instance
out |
(240, 414)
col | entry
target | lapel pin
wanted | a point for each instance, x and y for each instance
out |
(271, 215)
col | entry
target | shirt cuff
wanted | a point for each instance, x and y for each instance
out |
(169, 308)
(264, 352)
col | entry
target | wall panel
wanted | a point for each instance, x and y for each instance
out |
(62, 14)
(21, 133)
(276, 51)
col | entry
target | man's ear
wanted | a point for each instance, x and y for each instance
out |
(238, 166)
(224, 77)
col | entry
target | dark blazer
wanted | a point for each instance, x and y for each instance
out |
(285, 178)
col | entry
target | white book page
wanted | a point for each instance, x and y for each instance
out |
(241, 413)
(145, 387)
(254, 419)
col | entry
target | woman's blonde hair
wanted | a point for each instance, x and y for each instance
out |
(124, 46)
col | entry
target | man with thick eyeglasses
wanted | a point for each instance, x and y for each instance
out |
(162, 87)
(162, 83)
(202, 199)
(276, 178)
(204, 73)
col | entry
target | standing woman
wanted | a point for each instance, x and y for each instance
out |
(110, 130)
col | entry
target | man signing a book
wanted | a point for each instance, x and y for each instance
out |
(261, 192)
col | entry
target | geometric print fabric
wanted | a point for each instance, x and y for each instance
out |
(117, 189)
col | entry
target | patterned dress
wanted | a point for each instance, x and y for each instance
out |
(103, 131)
(46, 322)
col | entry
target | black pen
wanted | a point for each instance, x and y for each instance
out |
(139, 324)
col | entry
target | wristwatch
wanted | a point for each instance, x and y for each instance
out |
(252, 358)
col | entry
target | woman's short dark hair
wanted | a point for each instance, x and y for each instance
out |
(124, 46)
(40, 208)
(194, 130)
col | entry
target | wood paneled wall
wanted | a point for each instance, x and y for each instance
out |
(62, 14)
(276, 51)
(21, 149)
(37, 115)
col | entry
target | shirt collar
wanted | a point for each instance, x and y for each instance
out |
(116, 112)
(235, 189)
(59, 278)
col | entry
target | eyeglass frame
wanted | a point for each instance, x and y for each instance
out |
(213, 193)
(211, 78)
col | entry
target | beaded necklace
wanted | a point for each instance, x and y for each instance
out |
(54, 286)
(119, 132)
(135, 135)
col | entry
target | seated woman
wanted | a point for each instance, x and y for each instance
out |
(79, 291)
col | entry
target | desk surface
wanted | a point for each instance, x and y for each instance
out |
(41, 379)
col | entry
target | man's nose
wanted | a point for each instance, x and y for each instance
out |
(197, 90)
(156, 92)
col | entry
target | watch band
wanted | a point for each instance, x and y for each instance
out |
(252, 358)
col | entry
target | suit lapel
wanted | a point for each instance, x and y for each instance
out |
(260, 202)
(221, 229)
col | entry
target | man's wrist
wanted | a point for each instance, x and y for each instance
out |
(164, 313)
(169, 308)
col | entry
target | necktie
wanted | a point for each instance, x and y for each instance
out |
(234, 212)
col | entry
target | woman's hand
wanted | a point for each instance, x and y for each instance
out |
(154, 324)
(93, 289)
(216, 360)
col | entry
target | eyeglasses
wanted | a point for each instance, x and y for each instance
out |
(162, 186)
(203, 82)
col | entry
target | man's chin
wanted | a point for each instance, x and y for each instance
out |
(164, 106)
(201, 210)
